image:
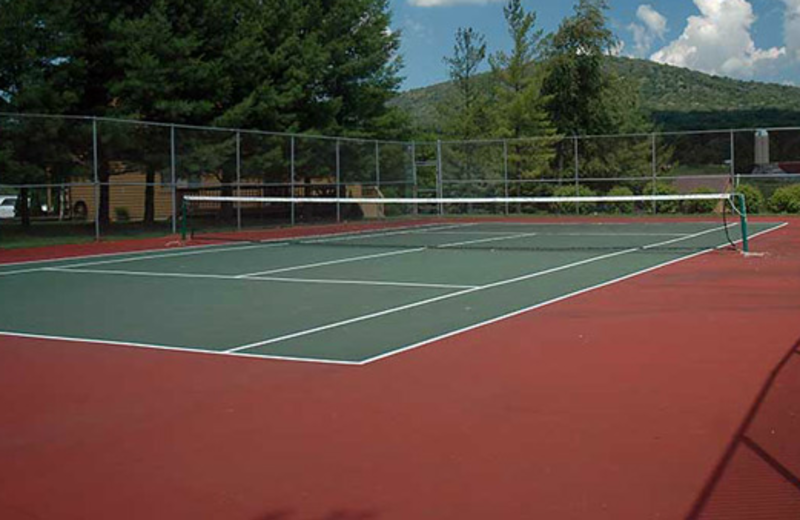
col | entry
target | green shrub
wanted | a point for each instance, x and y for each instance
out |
(670, 206)
(700, 206)
(122, 214)
(786, 199)
(532, 189)
(583, 208)
(753, 197)
(529, 189)
(620, 207)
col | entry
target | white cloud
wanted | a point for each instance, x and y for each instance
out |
(417, 29)
(618, 49)
(791, 28)
(652, 19)
(653, 26)
(440, 3)
(719, 41)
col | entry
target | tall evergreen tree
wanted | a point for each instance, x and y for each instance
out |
(468, 117)
(36, 75)
(281, 65)
(361, 73)
(587, 99)
(520, 106)
(575, 77)
(171, 67)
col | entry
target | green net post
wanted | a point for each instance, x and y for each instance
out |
(742, 207)
(184, 224)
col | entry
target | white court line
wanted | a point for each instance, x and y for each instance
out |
(381, 255)
(404, 231)
(152, 274)
(325, 361)
(615, 234)
(429, 301)
(552, 301)
(485, 240)
(152, 346)
(145, 254)
(22, 271)
(147, 257)
(589, 221)
(506, 233)
(266, 244)
(686, 237)
(331, 262)
(334, 281)
(106, 255)
(401, 308)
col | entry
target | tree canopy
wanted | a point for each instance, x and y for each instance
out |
(281, 65)
(277, 65)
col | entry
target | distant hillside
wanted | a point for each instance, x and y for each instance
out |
(677, 99)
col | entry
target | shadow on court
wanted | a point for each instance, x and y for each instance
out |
(759, 475)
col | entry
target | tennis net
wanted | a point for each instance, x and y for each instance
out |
(642, 223)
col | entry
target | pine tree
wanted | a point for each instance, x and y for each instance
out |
(280, 65)
(520, 105)
(575, 78)
(36, 76)
(587, 99)
(468, 117)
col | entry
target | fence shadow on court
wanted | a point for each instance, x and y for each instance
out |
(759, 474)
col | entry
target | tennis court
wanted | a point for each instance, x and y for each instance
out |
(349, 297)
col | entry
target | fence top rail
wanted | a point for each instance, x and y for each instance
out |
(231, 130)
(361, 140)
(649, 135)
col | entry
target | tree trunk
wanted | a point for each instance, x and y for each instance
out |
(24, 208)
(150, 196)
(104, 208)
(226, 190)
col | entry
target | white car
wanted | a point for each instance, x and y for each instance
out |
(8, 205)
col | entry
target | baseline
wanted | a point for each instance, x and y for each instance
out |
(153, 346)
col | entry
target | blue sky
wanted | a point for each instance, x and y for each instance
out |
(744, 39)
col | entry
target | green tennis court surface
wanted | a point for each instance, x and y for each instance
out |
(315, 300)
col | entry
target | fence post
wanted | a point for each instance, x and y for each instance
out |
(338, 180)
(439, 176)
(414, 182)
(96, 172)
(577, 174)
(292, 178)
(238, 180)
(505, 172)
(655, 170)
(378, 164)
(734, 180)
(174, 177)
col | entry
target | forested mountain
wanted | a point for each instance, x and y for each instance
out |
(675, 98)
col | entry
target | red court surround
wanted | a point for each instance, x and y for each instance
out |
(628, 402)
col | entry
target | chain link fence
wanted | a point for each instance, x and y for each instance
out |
(64, 178)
